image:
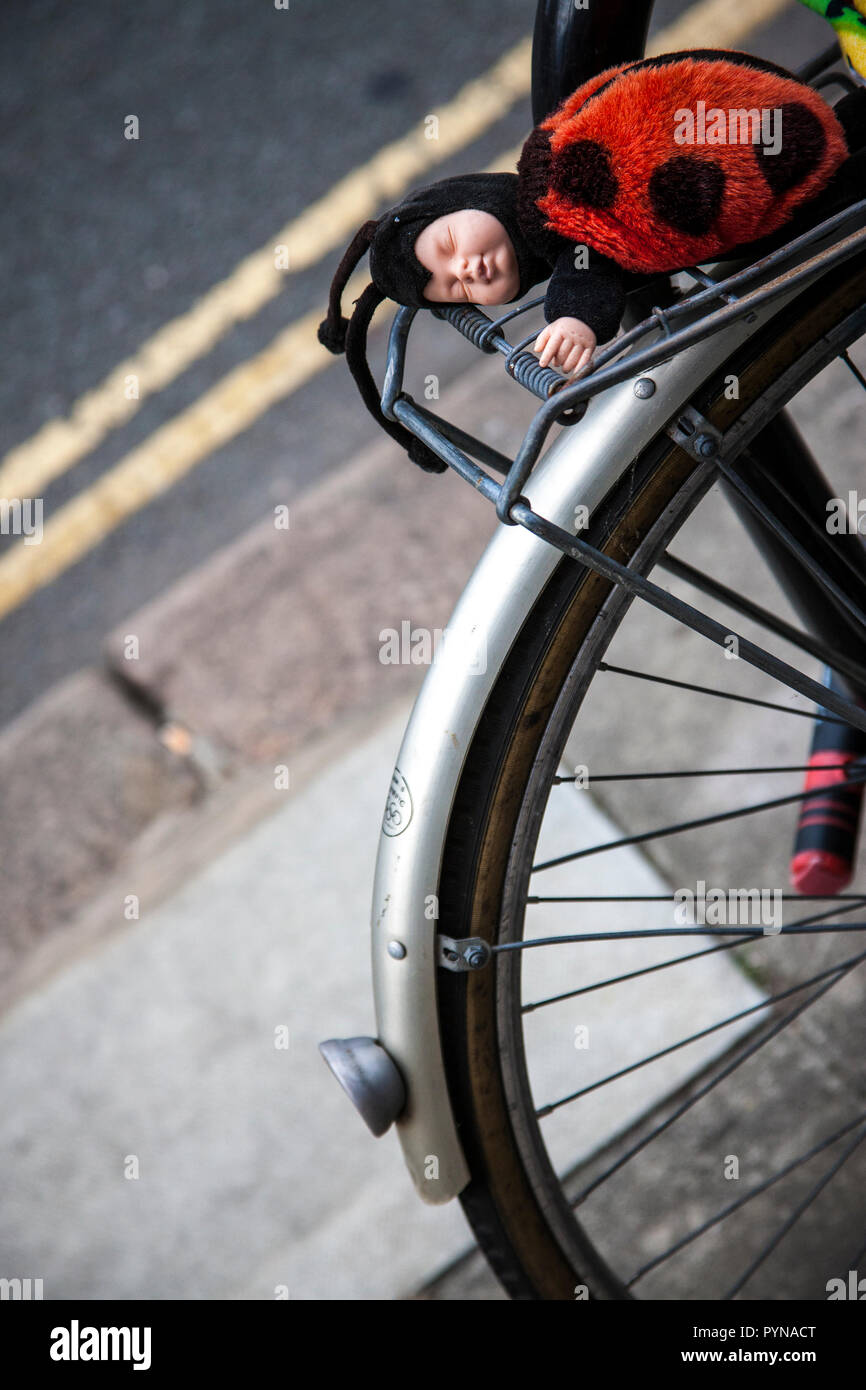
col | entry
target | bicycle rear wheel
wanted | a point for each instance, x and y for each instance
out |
(529, 1203)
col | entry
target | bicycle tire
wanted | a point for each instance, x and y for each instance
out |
(531, 1240)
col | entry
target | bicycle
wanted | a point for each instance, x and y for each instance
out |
(645, 436)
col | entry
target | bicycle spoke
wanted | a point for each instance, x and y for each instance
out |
(666, 898)
(645, 934)
(741, 1201)
(702, 772)
(720, 694)
(679, 960)
(683, 1042)
(749, 1051)
(717, 818)
(796, 1214)
(630, 975)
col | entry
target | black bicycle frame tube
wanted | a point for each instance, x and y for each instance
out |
(570, 45)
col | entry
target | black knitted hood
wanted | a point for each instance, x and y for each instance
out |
(398, 274)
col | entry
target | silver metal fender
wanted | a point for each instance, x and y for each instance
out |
(580, 467)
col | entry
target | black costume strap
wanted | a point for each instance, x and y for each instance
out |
(356, 357)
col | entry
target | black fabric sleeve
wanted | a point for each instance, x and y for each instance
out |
(595, 294)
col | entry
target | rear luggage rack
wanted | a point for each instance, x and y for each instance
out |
(565, 399)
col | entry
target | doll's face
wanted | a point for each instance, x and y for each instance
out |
(471, 257)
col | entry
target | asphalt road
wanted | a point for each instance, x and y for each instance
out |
(247, 115)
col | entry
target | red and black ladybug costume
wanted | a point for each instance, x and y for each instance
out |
(605, 170)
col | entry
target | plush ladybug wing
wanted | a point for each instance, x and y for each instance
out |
(667, 162)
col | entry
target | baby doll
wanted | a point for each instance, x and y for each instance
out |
(648, 167)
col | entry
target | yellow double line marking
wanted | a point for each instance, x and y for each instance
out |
(295, 355)
(325, 225)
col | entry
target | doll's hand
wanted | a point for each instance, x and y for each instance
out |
(567, 343)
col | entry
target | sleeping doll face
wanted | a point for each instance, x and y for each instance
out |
(471, 258)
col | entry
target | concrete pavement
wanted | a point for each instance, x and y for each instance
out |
(170, 1129)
